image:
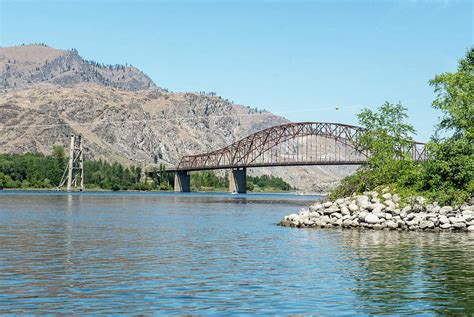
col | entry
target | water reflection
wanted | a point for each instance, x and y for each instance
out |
(409, 272)
(211, 254)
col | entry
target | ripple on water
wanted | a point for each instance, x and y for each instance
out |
(216, 254)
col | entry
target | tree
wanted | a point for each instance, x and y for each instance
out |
(388, 140)
(455, 98)
(59, 164)
(387, 136)
(161, 178)
(449, 174)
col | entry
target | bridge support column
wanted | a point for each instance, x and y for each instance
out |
(238, 181)
(182, 182)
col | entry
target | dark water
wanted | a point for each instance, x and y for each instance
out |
(216, 254)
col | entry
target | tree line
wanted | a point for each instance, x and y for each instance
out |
(39, 171)
(36, 170)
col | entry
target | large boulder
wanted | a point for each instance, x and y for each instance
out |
(345, 211)
(348, 223)
(443, 219)
(445, 210)
(371, 219)
(315, 207)
(460, 225)
(362, 215)
(327, 204)
(391, 224)
(353, 207)
(445, 226)
(324, 219)
(425, 224)
(330, 210)
(468, 214)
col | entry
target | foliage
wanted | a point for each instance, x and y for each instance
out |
(448, 175)
(162, 180)
(387, 137)
(208, 180)
(103, 175)
(31, 170)
(450, 172)
(267, 183)
(455, 98)
(35, 170)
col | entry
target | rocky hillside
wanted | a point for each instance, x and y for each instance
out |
(27, 65)
(122, 115)
(124, 125)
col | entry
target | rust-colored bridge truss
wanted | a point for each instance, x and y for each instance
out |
(291, 144)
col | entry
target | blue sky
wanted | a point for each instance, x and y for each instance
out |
(299, 59)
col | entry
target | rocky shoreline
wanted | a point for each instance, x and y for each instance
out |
(383, 212)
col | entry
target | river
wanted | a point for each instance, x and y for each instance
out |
(216, 254)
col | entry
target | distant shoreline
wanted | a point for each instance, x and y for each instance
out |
(99, 190)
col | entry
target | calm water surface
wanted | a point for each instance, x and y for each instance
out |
(216, 254)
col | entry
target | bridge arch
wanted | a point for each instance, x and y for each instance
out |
(290, 144)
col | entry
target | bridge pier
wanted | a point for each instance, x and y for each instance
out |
(182, 182)
(238, 181)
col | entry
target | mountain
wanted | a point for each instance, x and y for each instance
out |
(27, 65)
(122, 114)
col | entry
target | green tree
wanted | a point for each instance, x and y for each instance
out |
(388, 140)
(449, 174)
(388, 137)
(58, 164)
(164, 177)
(267, 183)
(455, 98)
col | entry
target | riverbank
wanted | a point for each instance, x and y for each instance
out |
(384, 211)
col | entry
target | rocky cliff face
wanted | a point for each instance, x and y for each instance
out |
(49, 94)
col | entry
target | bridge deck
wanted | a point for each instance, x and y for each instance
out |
(322, 163)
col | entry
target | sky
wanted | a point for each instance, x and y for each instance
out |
(305, 60)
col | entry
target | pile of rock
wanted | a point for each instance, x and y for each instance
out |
(385, 211)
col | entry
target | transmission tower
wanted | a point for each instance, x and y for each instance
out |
(74, 172)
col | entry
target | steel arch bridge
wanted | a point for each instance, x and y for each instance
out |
(291, 144)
